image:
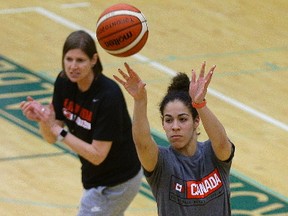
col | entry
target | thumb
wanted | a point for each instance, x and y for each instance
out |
(29, 98)
(51, 107)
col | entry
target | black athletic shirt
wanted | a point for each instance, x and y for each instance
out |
(100, 113)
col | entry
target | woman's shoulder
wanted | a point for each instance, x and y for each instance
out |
(109, 86)
(167, 152)
(205, 147)
(63, 83)
(107, 81)
(61, 78)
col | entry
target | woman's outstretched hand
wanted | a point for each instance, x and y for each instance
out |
(198, 88)
(132, 83)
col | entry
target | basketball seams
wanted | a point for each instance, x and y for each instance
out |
(131, 45)
(108, 35)
(139, 15)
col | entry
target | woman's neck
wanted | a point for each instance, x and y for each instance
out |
(191, 147)
(85, 84)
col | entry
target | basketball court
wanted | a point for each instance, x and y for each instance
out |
(247, 40)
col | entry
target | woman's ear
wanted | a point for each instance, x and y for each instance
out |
(197, 121)
(162, 121)
(94, 59)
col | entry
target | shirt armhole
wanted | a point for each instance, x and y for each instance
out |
(147, 173)
(232, 153)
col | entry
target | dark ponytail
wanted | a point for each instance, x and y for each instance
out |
(178, 90)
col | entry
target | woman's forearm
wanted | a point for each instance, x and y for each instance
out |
(46, 133)
(140, 126)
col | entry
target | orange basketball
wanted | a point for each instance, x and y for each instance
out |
(122, 30)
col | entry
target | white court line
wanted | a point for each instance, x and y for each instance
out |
(248, 109)
(156, 65)
(76, 5)
(17, 10)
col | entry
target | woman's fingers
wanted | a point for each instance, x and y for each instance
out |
(119, 80)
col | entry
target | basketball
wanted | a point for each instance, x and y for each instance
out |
(122, 30)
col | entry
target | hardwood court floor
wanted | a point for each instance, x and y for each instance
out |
(247, 40)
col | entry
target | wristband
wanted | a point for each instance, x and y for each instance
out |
(199, 105)
(62, 135)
